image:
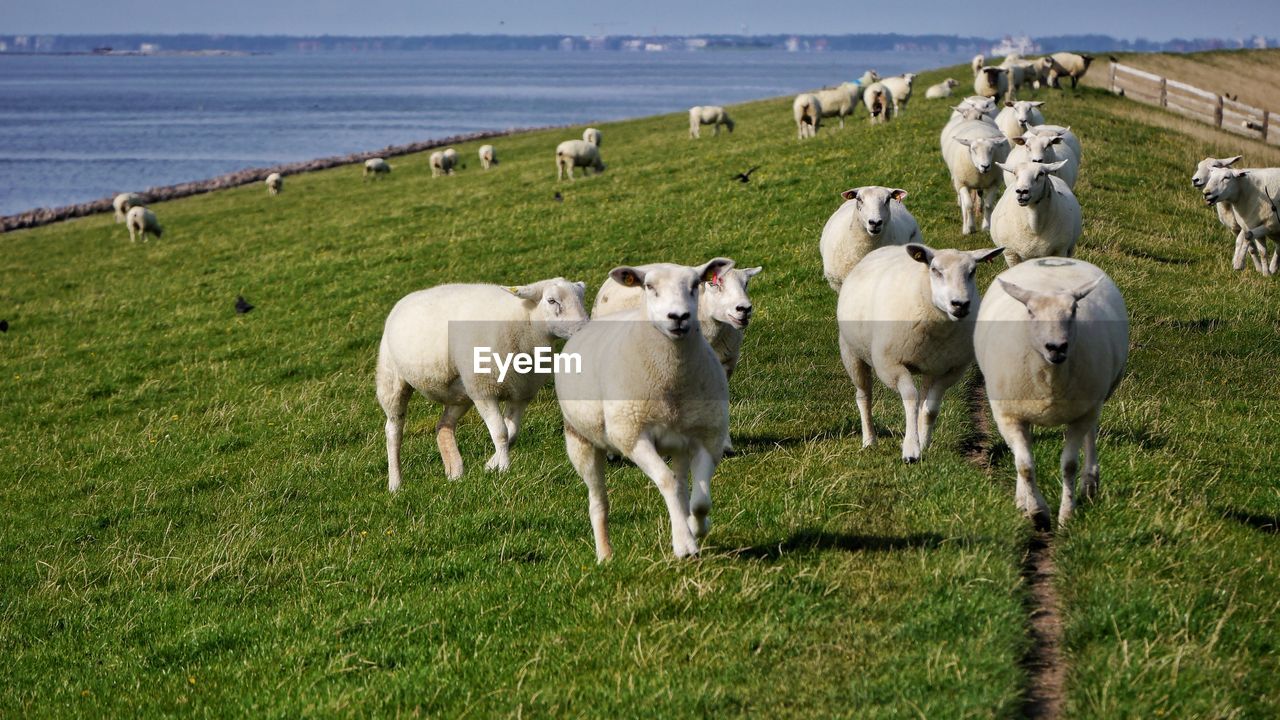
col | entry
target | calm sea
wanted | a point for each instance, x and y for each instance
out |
(76, 128)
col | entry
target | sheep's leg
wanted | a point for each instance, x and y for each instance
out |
(447, 441)
(906, 386)
(1258, 249)
(860, 372)
(1275, 260)
(589, 461)
(933, 390)
(966, 208)
(715, 132)
(393, 395)
(1242, 247)
(512, 413)
(1074, 438)
(674, 491)
(1017, 434)
(842, 121)
(492, 414)
(989, 199)
(1092, 472)
(704, 466)
(559, 170)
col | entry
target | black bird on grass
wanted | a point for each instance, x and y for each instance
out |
(242, 305)
(745, 177)
(559, 197)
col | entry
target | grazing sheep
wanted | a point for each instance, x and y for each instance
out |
(488, 156)
(724, 310)
(992, 82)
(977, 63)
(1037, 215)
(443, 162)
(434, 342)
(1052, 340)
(592, 136)
(871, 217)
(376, 167)
(905, 312)
(650, 387)
(1015, 117)
(1254, 196)
(1045, 149)
(713, 115)
(879, 101)
(839, 102)
(1067, 64)
(899, 87)
(140, 221)
(941, 90)
(807, 110)
(577, 153)
(275, 183)
(971, 151)
(124, 202)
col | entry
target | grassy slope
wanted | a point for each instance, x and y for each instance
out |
(195, 507)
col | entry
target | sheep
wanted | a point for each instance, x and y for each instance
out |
(443, 162)
(968, 110)
(971, 152)
(941, 90)
(1254, 196)
(868, 77)
(376, 167)
(592, 136)
(977, 63)
(807, 110)
(713, 115)
(488, 156)
(724, 310)
(577, 153)
(1021, 72)
(899, 88)
(1226, 214)
(1069, 64)
(650, 387)
(275, 183)
(1037, 215)
(140, 221)
(879, 101)
(1044, 148)
(839, 102)
(434, 342)
(1068, 137)
(125, 202)
(1052, 341)
(871, 217)
(905, 312)
(1015, 117)
(992, 82)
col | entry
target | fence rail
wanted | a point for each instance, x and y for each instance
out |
(1193, 102)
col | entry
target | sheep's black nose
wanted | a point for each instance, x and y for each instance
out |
(1062, 349)
(960, 306)
(681, 317)
(744, 309)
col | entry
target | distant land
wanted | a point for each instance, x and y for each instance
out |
(892, 42)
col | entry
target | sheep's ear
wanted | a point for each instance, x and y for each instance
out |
(850, 194)
(713, 269)
(627, 276)
(1008, 103)
(986, 255)
(525, 292)
(1036, 103)
(1054, 167)
(962, 141)
(920, 253)
(1016, 292)
(1087, 288)
(958, 108)
(581, 288)
(1020, 140)
(752, 272)
(897, 194)
(1231, 161)
(1004, 167)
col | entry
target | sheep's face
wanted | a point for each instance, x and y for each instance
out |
(1205, 166)
(951, 277)
(1223, 185)
(1054, 317)
(671, 292)
(557, 305)
(952, 83)
(1040, 147)
(727, 297)
(968, 111)
(1031, 180)
(873, 206)
(870, 76)
(1022, 112)
(993, 75)
(984, 153)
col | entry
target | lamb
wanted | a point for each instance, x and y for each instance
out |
(905, 312)
(1254, 196)
(992, 82)
(443, 162)
(879, 101)
(435, 342)
(899, 88)
(1037, 215)
(1052, 341)
(488, 156)
(1069, 64)
(592, 136)
(724, 310)
(941, 90)
(971, 152)
(839, 102)
(713, 115)
(375, 167)
(650, 387)
(807, 110)
(140, 221)
(125, 202)
(1015, 117)
(871, 217)
(275, 183)
(577, 153)
(1047, 149)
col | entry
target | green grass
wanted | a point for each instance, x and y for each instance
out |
(195, 517)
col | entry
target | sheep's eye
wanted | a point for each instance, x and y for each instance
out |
(648, 286)
(553, 302)
(936, 272)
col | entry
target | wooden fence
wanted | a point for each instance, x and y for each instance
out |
(1192, 102)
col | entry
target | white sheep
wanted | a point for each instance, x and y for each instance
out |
(905, 312)
(871, 217)
(992, 82)
(1225, 211)
(807, 111)
(839, 102)
(650, 387)
(443, 162)
(488, 156)
(879, 101)
(868, 77)
(971, 151)
(1046, 149)
(592, 136)
(941, 90)
(713, 115)
(965, 110)
(275, 183)
(1022, 73)
(724, 310)
(375, 167)
(1037, 215)
(1052, 340)
(125, 202)
(140, 221)
(977, 63)
(1067, 64)
(1016, 117)
(577, 153)
(1068, 137)
(449, 343)
(899, 87)
(1254, 196)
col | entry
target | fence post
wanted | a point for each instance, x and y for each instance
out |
(1164, 92)
(1266, 124)
(1113, 78)
(1217, 113)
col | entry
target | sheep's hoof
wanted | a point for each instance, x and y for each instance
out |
(1040, 519)
(910, 460)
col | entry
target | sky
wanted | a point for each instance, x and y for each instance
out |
(1119, 18)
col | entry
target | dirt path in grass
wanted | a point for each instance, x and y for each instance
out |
(1046, 668)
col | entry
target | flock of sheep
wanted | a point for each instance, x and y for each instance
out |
(570, 154)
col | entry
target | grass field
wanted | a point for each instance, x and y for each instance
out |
(195, 517)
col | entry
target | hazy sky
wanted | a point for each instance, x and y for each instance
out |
(1119, 18)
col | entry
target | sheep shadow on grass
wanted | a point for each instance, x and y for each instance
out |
(808, 540)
